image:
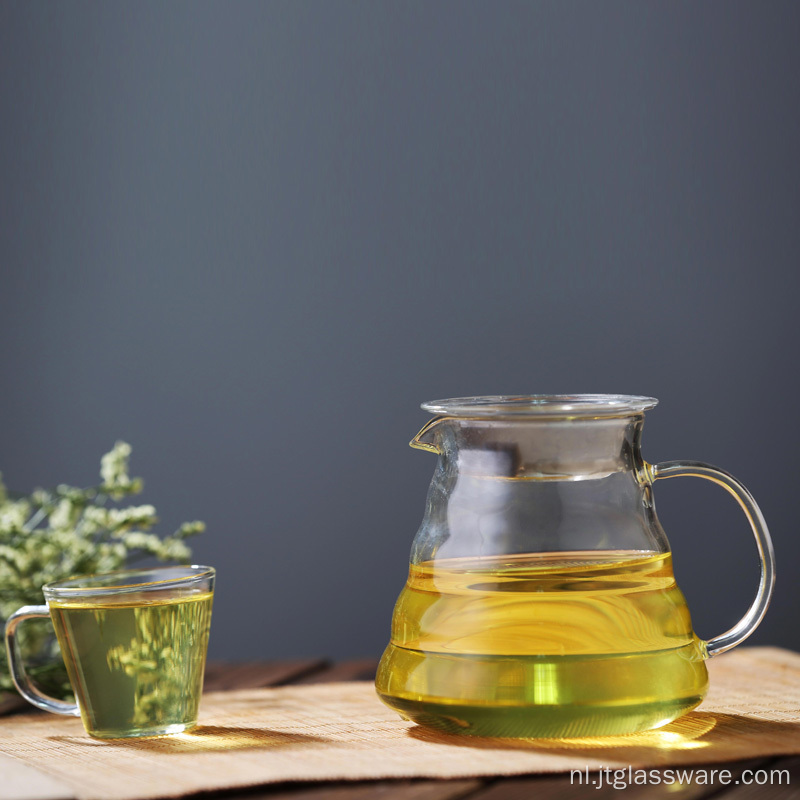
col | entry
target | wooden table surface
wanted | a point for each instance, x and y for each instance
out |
(226, 677)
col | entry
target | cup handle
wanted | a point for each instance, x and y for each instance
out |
(21, 680)
(749, 622)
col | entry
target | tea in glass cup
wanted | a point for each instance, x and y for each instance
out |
(134, 643)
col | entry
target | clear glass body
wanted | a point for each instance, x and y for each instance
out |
(541, 600)
(134, 643)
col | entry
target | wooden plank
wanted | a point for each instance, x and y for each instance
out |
(222, 677)
(213, 670)
(781, 778)
(366, 790)
(11, 702)
(362, 669)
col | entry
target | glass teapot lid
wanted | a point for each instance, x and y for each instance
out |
(542, 405)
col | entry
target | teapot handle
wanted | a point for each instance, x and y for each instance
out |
(749, 622)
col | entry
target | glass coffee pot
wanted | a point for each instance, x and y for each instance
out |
(540, 600)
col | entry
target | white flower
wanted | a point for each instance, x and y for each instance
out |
(137, 540)
(62, 516)
(14, 558)
(134, 515)
(173, 550)
(13, 515)
(114, 466)
(94, 518)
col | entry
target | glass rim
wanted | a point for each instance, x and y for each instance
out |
(94, 586)
(542, 405)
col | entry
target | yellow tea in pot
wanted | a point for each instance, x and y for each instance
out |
(557, 644)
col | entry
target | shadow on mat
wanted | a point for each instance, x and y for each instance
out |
(713, 736)
(203, 738)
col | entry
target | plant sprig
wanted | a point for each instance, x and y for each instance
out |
(53, 534)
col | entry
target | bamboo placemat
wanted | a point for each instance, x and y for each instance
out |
(341, 731)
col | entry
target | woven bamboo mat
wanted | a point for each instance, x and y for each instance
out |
(341, 731)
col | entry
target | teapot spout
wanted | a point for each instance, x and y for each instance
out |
(427, 438)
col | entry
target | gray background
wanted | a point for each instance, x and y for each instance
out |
(251, 238)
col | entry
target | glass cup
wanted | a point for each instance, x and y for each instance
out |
(134, 643)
